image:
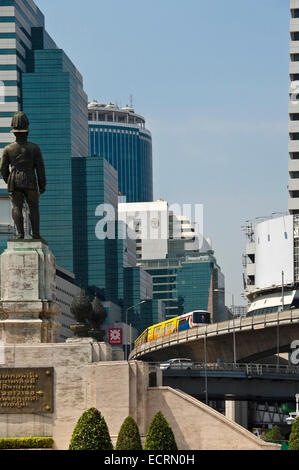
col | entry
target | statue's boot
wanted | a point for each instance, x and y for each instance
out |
(34, 219)
(19, 221)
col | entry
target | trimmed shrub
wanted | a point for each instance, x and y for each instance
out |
(129, 437)
(273, 434)
(26, 443)
(159, 435)
(294, 436)
(91, 432)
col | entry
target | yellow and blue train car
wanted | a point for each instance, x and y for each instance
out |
(174, 325)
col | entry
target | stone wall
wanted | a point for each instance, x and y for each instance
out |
(71, 387)
(83, 378)
(196, 426)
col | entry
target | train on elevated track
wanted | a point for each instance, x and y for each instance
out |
(174, 325)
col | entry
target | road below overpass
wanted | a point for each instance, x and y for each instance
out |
(249, 382)
(254, 338)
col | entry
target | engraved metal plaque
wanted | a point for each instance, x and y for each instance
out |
(26, 390)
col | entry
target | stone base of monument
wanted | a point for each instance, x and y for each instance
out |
(45, 386)
(28, 305)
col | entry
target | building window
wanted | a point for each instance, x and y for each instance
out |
(294, 117)
(294, 57)
(295, 174)
(295, 13)
(294, 136)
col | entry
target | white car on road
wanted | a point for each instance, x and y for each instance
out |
(179, 364)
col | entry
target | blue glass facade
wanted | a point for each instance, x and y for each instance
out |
(84, 167)
(17, 17)
(197, 285)
(50, 91)
(96, 261)
(188, 284)
(108, 265)
(54, 101)
(138, 287)
(129, 150)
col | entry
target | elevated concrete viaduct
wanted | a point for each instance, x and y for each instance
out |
(255, 338)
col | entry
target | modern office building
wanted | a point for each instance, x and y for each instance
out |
(17, 18)
(54, 100)
(41, 80)
(293, 185)
(105, 257)
(66, 291)
(272, 265)
(7, 226)
(120, 136)
(185, 273)
(95, 260)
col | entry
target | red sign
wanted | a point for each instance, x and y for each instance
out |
(115, 336)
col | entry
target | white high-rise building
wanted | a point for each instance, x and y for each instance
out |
(184, 272)
(294, 109)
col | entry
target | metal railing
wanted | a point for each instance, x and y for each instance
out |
(249, 369)
(217, 329)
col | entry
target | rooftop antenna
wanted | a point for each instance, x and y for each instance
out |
(131, 101)
(249, 230)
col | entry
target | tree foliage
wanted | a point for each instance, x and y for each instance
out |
(294, 436)
(273, 434)
(129, 437)
(159, 435)
(91, 432)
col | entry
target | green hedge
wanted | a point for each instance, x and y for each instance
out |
(129, 437)
(159, 435)
(26, 443)
(91, 432)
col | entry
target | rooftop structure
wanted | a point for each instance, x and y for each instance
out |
(120, 136)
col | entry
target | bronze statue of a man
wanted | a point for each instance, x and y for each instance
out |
(21, 162)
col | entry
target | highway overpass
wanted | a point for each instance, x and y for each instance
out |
(236, 382)
(255, 338)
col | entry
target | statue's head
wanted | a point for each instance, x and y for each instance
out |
(20, 123)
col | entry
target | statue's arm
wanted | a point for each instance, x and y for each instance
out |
(40, 170)
(4, 167)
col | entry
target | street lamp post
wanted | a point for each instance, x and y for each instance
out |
(206, 371)
(282, 308)
(234, 331)
(128, 309)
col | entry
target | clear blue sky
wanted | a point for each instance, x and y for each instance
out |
(211, 79)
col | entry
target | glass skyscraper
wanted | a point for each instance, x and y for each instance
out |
(107, 265)
(54, 101)
(17, 18)
(39, 79)
(49, 89)
(120, 136)
(185, 275)
(95, 260)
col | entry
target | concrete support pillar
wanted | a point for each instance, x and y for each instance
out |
(237, 411)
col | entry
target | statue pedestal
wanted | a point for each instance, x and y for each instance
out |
(28, 293)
